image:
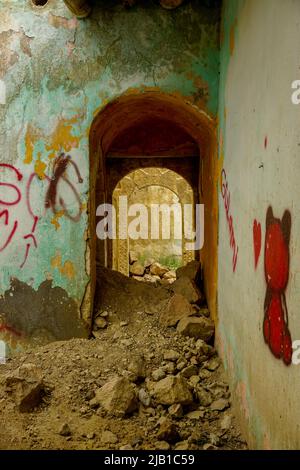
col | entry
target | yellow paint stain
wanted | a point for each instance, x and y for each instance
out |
(39, 168)
(54, 220)
(31, 137)
(62, 137)
(56, 261)
(67, 269)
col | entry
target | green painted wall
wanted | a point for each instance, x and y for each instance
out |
(56, 73)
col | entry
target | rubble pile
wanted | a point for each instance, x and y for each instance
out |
(149, 378)
(150, 271)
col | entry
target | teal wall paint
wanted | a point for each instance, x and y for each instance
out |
(58, 72)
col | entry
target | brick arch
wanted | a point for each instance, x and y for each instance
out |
(126, 112)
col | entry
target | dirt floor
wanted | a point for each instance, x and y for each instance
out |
(136, 384)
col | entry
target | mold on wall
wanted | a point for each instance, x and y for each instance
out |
(56, 73)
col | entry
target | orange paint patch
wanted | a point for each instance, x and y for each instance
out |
(31, 137)
(200, 97)
(56, 261)
(54, 220)
(67, 269)
(62, 138)
(40, 168)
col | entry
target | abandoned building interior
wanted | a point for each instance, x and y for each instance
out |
(179, 103)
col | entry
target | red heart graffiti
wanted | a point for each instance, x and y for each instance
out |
(256, 241)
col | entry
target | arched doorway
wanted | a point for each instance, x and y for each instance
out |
(144, 179)
(169, 132)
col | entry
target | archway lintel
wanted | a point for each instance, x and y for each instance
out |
(130, 108)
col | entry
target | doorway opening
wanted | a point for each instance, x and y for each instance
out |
(156, 245)
(163, 134)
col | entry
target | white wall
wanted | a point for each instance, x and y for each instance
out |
(264, 62)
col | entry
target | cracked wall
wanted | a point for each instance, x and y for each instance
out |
(56, 73)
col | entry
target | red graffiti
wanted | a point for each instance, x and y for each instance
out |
(4, 213)
(11, 167)
(12, 186)
(10, 237)
(10, 329)
(226, 198)
(256, 241)
(277, 258)
(27, 249)
(54, 199)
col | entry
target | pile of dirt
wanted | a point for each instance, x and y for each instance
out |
(137, 384)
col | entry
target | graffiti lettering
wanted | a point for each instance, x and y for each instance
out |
(54, 199)
(226, 197)
(14, 202)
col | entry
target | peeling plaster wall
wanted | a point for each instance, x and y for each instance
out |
(258, 292)
(56, 73)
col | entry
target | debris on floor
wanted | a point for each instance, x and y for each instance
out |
(149, 378)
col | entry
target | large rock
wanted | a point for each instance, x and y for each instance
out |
(151, 278)
(167, 282)
(138, 278)
(137, 269)
(108, 437)
(26, 386)
(172, 390)
(117, 396)
(204, 397)
(133, 257)
(220, 405)
(171, 355)
(170, 275)
(148, 262)
(194, 327)
(188, 289)
(158, 270)
(100, 323)
(176, 309)
(137, 367)
(168, 431)
(190, 270)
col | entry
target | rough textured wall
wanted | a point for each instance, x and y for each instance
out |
(259, 252)
(56, 73)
